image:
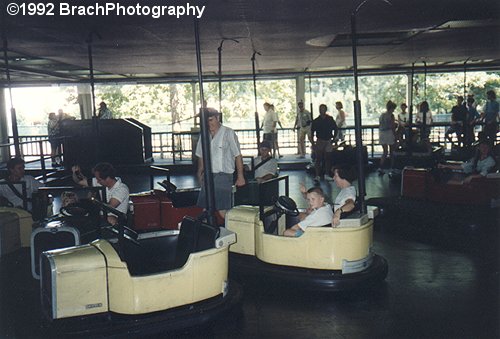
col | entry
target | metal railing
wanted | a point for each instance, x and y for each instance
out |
(179, 145)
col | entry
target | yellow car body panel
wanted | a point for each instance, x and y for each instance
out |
(78, 281)
(202, 277)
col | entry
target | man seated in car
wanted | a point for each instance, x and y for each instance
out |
(479, 166)
(266, 167)
(117, 193)
(318, 214)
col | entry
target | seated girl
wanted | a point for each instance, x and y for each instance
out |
(319, 213)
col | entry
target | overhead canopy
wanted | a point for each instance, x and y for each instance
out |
(293, 36)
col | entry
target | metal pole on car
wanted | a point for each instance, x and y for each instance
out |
(220, 72)
(208, 179)
(409, 127)
(357, 117)
(257, 124)
(95, 123)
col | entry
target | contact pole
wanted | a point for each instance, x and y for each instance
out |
(357, 117)
(91, 72)
(257, 124)
(409, 128)
(208, 179)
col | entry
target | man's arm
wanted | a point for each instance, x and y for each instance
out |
(240, 180)
(200, 169)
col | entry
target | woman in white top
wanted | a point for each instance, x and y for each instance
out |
(387, 128)
(340, 120)
(346, 199)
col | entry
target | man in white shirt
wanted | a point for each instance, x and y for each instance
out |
(303, 124)
(266, 167)
(117, 193)
(226, 156)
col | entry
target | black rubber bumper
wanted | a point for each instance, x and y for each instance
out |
(246, 267)
(178, 319)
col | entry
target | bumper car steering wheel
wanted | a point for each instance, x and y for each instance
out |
(287, 206)
(75, 210)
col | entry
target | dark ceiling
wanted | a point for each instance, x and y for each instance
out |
(292, 36)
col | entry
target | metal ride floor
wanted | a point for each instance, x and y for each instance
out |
(432, 290)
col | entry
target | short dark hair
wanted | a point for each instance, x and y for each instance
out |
(390, 105)
(345, 172)
(105, 169)
(14, 162)
(316, 190)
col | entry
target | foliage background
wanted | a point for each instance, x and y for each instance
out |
(170, 106)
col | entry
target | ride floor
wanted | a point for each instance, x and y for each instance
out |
(434, 289)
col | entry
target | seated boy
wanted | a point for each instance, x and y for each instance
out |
(319, 213)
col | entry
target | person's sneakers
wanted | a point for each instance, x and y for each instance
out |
(381, 171)
(317, 179)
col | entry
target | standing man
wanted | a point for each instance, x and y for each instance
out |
(11, 189)
(458, 121)
(323, 127)
(104, 112)
(269, 125)
(226, 156)
(490, 116)
(303, 125)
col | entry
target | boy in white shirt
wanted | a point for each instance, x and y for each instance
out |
(318, 214)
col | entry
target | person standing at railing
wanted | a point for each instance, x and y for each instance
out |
(402, 122)
(387, 134)
(54, 140)
(226, 157)
(325, 129)
(303, 125)
(472, 118)
(104, 111)
(458, 121)
(424, 119)
(490, 116)
(61, 116)
(340, 120)
(276, 146)
(269, 124)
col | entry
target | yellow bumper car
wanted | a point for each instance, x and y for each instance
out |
(161, 281)
(322, 259)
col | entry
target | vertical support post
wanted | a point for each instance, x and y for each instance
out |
(13, 115)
